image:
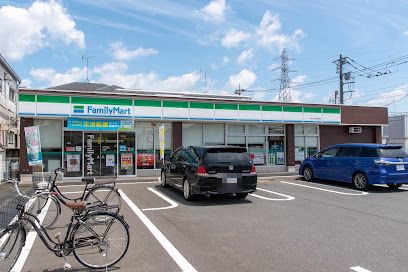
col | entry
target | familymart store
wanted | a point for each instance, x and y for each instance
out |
(117, 134)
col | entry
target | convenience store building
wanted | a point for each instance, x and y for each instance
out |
(106, 131)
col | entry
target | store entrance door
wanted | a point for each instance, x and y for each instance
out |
(100, 154)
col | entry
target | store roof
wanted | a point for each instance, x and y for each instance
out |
(9, 69)
(86, 87)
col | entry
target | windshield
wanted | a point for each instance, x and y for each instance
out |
(392, 153)
(224, 155)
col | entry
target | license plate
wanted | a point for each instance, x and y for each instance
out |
(231, 180)
(400, 167)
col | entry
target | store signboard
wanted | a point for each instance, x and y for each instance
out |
(33, 143)
(102, 110)
(92, 124)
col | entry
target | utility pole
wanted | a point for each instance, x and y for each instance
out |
(336, 93)
(340, 62)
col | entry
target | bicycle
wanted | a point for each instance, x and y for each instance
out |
(90, 239)
(97, 195)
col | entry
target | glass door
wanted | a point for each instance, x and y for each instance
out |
(100, 154)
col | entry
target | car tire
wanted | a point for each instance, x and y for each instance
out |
(360, 181)
(163, 180)
(394, 185)
(241, 195)
(308, 173)
(187, 190)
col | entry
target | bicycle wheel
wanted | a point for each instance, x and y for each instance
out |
(53, 211)
(104, 194)
(100, 243)
(12, 241)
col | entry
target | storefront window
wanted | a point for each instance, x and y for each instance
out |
(127, 153)
(256, 149)
(192, 134)
(236, 128)
(144, 146)
(276, 151)
(73, 153)
(51, 143)
(256, 129)
(214, 134)
(306, 141)
(276, 129)
(236, 140)
(167, 143)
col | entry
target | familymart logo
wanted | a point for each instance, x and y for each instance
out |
(103, 110)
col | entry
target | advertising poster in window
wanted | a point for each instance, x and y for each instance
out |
(110, 160)
(33, 143)
(161, 138)
(73, 162)
(145, 160)
(126, 161)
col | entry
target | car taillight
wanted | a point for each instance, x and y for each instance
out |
(201, 171)
(253, 171)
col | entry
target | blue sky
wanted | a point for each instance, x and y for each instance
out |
(171, 45)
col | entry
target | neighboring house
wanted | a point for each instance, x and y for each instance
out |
(9, 128)
(397, 132)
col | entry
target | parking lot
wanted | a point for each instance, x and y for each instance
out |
(287, 225)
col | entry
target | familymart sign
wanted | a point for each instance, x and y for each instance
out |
(102, 110)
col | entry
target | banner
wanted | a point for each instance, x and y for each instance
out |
(33, 144)
(126, 161)
(161, 138)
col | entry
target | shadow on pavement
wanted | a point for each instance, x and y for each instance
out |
(371, 189)
(200, 200)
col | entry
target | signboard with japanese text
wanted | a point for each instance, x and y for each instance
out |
(33, 143)
(92, 124)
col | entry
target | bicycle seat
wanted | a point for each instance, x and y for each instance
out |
(88, 180)
(79, 206)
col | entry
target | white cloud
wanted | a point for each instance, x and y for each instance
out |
(243, 79)
(120, 52)
(269, 34)
(405, 33)
(298, 95)
(259, 95)
(225, 61)
(25, 83)
(245, 56)
(52, 78)
(233, 38)
(388, 98)
(215, 10)
(25, 31)
(116, 73)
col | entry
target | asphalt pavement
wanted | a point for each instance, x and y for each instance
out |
(287, 225)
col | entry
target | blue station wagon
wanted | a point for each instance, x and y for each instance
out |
(359, 164)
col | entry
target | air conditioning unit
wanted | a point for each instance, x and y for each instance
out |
(355, 130)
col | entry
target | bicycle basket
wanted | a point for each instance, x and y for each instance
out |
(41, 182)
(9, 206)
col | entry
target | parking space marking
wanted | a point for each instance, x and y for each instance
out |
(327, 190)
(287, 197)
(166, 244)
(25, 251)
(359, 269)
(172, 203)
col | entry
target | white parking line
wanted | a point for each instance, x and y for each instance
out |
(18, 266)
(326, 190)
(359, 269)
(287, 197)
(173, 204)
(171, 250)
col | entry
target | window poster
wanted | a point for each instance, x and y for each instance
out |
(110, 160)
(126, 161)
(73, 163)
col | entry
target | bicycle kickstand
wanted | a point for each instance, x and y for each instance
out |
(67, 266)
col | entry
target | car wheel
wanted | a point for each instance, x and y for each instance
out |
(241, 195)
(394, 185)
(187, 190)
(308, 173)
(360, 181)
(163, 180)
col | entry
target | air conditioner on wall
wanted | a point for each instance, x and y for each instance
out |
(355, 130)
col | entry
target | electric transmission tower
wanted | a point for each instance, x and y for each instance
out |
(284, 89)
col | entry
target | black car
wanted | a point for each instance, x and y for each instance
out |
(208, 170)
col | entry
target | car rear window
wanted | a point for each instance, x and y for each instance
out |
(392, 153)
(227, 155)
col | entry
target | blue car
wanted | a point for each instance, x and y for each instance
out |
(359, 164)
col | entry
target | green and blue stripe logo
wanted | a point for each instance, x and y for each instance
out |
(78, 109)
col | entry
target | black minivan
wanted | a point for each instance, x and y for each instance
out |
(208, 170)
